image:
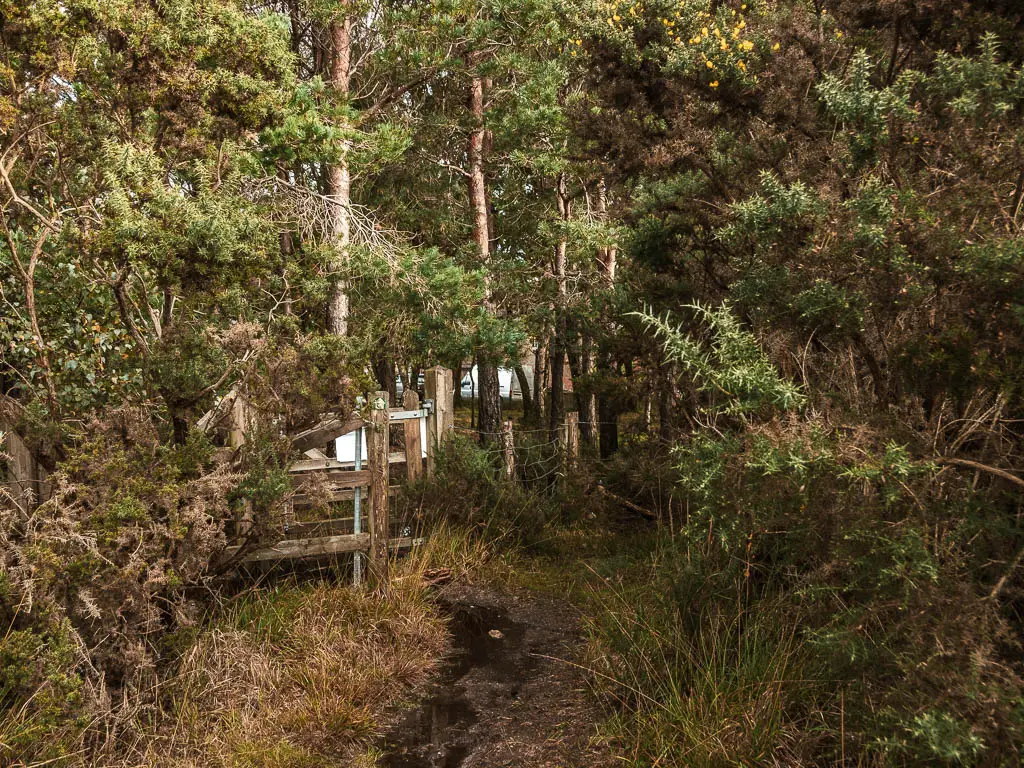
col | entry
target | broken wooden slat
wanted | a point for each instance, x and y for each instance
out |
(220, 411)
(319, 465)
(315, 465)
(349, 479)
(327, 430)
(290, 549)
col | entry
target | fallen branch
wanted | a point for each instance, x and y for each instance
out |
(1006, 576)
(981, 468)
(628, 504)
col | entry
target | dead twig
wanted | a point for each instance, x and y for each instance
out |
(628, 504)
(981, 468)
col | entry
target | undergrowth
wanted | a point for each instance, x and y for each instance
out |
(808, 596)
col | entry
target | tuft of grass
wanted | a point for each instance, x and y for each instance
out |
(721, 697)
(465, 553)
(299, 675)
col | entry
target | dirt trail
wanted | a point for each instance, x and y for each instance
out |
(506, 697)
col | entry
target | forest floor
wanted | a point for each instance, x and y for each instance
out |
(510, 693)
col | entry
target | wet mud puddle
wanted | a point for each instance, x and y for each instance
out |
(483, 675)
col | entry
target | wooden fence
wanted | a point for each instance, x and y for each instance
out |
(365, 479)
(338, 505)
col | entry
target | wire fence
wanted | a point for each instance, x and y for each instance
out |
(536, 463)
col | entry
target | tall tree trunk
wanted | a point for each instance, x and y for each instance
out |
(384, 372)
(340, 181)
(524, 387)
(559, 343)
(490, 392)
(585, 392)
(606, 255)
(540, 380)
(607, 410)
(457, 373)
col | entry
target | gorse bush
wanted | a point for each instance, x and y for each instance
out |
(729, 366)
(846, 598)
(96, 575)
(824, 596)
(123, 555)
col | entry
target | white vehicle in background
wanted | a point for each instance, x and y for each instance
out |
(508, 384)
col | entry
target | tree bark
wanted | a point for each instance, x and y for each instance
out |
(384, 372)
(606, 255)
(457, 374)
(490, 422)
(524, 387)
(607, 411)
(559, 343)
(540, 368)
(585, 393)
(340, 182)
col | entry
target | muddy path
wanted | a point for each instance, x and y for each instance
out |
(506, 695)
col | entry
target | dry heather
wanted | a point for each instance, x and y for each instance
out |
(299, 676)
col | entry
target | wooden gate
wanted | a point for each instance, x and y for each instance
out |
(366, 479)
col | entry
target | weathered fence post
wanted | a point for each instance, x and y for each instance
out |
(240, 419)
(413, 449)
(26, 478)
(357, 498)
(508, 452)
(239, 423)
(377, 450)
(570, 439)
(437, 386)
